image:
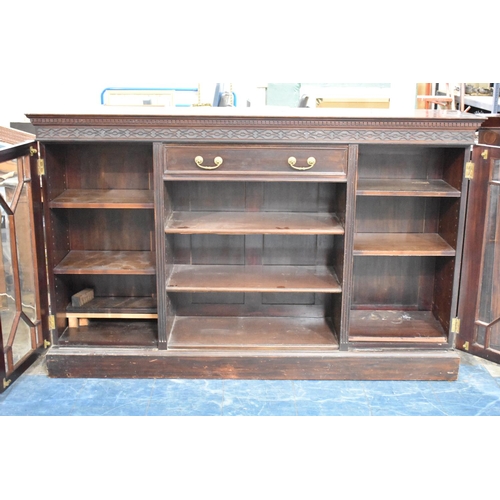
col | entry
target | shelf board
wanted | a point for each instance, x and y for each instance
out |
(123, 333)
(406, 187)
(401, 244)
(107, 262)
(395, 326)
(252, 333)
(104, 198)
(253, 223)
(218, 278)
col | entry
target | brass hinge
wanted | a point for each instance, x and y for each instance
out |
(455, 325)
(469, 170)
(6, 383)
(466, 345)
(41, 166)
(484, 154)
(52, 322)
(46, 344)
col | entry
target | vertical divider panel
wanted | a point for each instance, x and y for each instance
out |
(164, 319)
(349, 227)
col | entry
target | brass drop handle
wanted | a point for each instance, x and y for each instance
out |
(310, 161)
(217, 160)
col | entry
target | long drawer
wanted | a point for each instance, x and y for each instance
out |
(292, 163)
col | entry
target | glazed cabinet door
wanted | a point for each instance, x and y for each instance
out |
(479, 308)
(23, 289)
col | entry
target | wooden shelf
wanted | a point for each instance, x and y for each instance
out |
(107, 262)
(395, 326)
(406, 187)
(217, 278)
(401, 244)
(252, 333)
(112, 333)
(253, 223)
(104, 198)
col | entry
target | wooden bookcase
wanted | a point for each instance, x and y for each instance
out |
(233, 244)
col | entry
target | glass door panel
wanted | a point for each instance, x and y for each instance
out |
(20, 317)
(488, 317)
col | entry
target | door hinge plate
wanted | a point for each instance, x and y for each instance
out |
(46, 344)
(484, 154)
(469, 170)
(41, 166)
(52, 322)
(455, 325)
(466, 346)
(6, 383)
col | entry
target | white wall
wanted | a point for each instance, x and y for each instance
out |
(59, 56)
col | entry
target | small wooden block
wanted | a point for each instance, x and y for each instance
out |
(73, 322)
(82, 297)
(83, 322)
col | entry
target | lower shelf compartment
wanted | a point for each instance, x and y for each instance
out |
(112, 333)
(252, 333)
(395, 326)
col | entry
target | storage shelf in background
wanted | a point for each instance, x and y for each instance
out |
(104, 198)
(395, 326)
(107, 262)
(219, 278)
(252, 333)
(406, 187)
(253, 223)
(401, 244)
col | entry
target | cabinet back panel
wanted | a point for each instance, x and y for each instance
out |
(399, 282)
(253, 196)
(111, 229)
(109, 166)
(400, 162)
(217, 249)
(109, 286)
(396, 215)
(304, 305)
(283, 250)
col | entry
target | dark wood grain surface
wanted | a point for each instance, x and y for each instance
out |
(188, 278)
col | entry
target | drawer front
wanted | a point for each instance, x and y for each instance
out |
(274, 162)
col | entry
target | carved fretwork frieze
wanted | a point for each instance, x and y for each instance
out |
(452, 133)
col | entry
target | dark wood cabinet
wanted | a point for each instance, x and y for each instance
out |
(233, 244)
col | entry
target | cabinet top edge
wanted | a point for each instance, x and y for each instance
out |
(202, 114)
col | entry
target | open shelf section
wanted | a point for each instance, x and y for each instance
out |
(112, 333)
(104, 198)
(107, 262)
(406, 187)
(253, 223)
(399, 244)
(252, 333)
(200, 278)
(395, 326)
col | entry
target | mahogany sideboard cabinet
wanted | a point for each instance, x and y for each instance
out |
(240, 243)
